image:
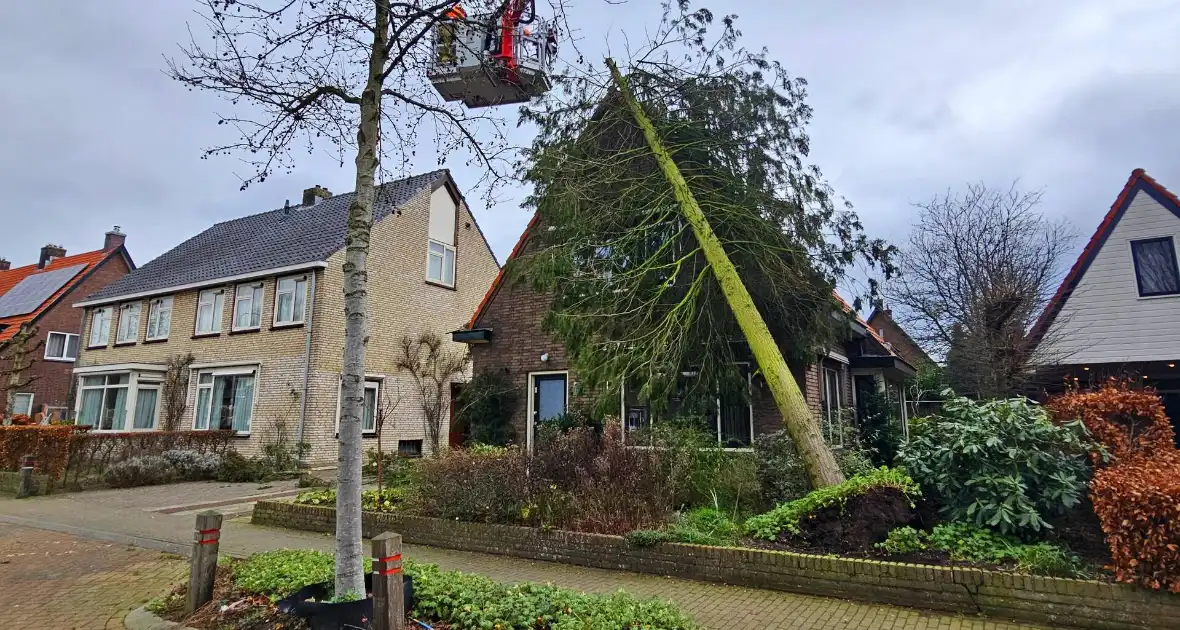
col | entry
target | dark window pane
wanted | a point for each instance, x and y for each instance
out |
(72, 347)
(735, 423)
(55, 346)
(1155, 266)
(409, 448)
(550, 397)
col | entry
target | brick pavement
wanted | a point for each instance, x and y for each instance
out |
(63, 582)
(712, 605)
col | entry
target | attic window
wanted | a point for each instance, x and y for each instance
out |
(1155, 266)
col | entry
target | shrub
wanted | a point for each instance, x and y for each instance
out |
(971, 543)
(787, 519)
(389, 501)
(700, 471)
(237, 468)
(1000, 463)
(475, 601)
(279, 573)
(193, 465)
(139, 471)
(781, 474)
(1125, 421)
(702, 526)
(902, 540)
(1137, 500)
(484, 409)
(49, 444)
(879, 427)
(470, 486)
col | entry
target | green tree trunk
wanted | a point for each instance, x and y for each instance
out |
(800, 423)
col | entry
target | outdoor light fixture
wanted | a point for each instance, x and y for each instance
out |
(1171, 365)
(1086, 369)
(544, 357)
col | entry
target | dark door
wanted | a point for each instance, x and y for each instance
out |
(458, 434)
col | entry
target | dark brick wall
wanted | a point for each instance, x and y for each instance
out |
(882, 321)
(1051, 601)
(52, 386)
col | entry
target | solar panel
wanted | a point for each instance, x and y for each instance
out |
(32, 292)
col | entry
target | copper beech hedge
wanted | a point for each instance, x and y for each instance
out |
(1136, 484)
(72, 454)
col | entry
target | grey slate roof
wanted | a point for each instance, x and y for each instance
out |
(279, 238)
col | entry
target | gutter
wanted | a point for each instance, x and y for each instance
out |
(306, 360)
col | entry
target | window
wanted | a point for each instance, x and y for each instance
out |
(1155, 266)
(729, 416)
(369, 414)
(248, 307)
(225, 401)
(22, 404)
(290, 300)
(146, 402)
(128, 330)
(104, 402)
(440, 263)
(831, 426)
(210, 306)
(409, 448)
(61, 346)
(100, 327)
(159, 318)
(55, 415)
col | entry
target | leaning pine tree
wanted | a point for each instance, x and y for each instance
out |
(678, 218)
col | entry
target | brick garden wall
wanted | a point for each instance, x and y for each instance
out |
(1058, 602)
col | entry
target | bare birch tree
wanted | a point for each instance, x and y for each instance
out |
(977, 272)
(348, 76)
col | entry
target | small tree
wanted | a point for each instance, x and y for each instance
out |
(433, 368)
(175, 389)
(16, 356)
(386, 406)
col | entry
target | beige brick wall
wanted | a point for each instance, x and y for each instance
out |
(401, 302)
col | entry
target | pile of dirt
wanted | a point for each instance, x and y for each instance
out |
(860, 523)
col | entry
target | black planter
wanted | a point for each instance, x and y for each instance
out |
(341, 615)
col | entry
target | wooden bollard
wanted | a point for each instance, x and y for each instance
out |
(203, 566)
(389, 605)
(28, 484)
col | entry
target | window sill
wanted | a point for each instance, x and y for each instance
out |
(243, 331)
(208, 335)
(1158, 297)
(60, 359)
(366, 435)
(98, 347)
(449, 287)
(160, 340)
(121, 344)
(286, 326)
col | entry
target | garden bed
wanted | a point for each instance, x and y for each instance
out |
(967, 590)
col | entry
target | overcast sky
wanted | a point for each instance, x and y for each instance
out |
(910, 97)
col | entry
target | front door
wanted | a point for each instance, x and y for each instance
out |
(549, 398)
(457, 434)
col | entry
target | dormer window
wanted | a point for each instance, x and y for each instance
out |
(1155, 267)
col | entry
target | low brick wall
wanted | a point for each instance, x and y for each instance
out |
(1053, 601)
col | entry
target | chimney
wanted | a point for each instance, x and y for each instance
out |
(48, 253)
(312, 196)
(114, 239)
(5, 265)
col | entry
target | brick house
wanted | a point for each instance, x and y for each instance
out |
(258, 302)
(505, 334)
(881, 320)
(37, 299)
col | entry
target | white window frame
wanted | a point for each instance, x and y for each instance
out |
(297, 318)
(831, 426)
(125, 334)
(532, 401)
(29, 411)
(156, 307)
(65, 348)
(133, 407)
(218, 311)
(257, 291)
(372, 381)
(236, 370)
(128, 404)
(430, 253)
(106, 313)
(717, 426)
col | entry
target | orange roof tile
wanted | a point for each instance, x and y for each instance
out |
(12, 277)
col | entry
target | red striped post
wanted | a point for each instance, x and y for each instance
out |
(28, 484)
(389, 605)
(203, 560)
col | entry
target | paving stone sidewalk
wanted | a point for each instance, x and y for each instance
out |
(712, 605)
